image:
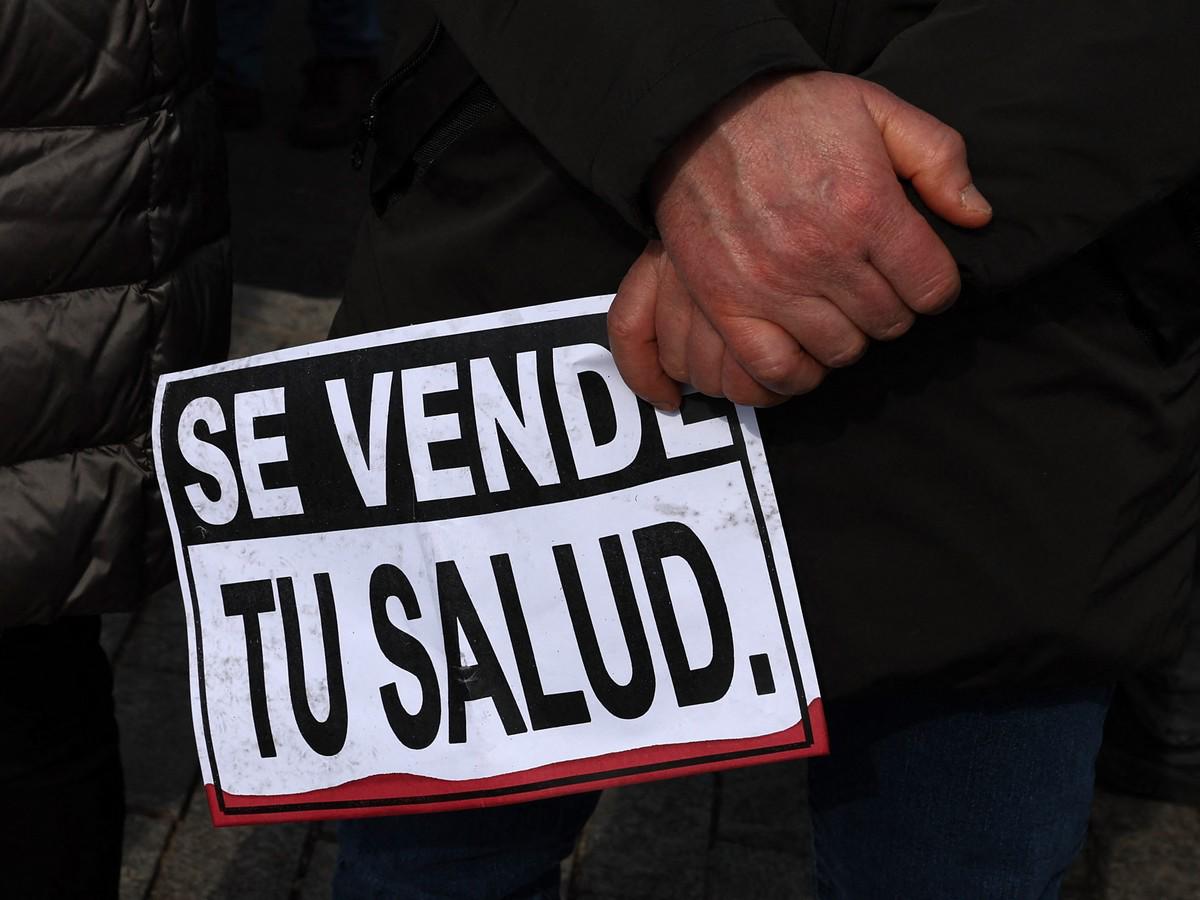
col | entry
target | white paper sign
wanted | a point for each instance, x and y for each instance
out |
(461, 563)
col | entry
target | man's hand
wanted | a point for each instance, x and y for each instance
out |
(660, 339)
(788, 242)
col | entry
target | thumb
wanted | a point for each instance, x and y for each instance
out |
(930, 154)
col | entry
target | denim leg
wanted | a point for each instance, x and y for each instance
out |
(496, 853)
(953, 799)
(344, 29)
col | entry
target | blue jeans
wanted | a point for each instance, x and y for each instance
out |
(498, 853)
(921, 799)
(341, 29)
(938, 799)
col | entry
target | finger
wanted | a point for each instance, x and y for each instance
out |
(632, 338)
(705, 356)
(821, 329)
(871, 303)
(673, 316)
(672, 321)
(930, 154)
(738, 386)
(716, 372)
(913, 259)
(771, 356)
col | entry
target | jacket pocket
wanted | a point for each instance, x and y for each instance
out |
(466, 112)
(430, 100)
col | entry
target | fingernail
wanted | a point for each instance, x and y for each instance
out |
(970, 198)
(666, 407)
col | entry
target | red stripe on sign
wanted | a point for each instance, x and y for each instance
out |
(385, 795)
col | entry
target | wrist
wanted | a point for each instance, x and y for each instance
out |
(713, 143)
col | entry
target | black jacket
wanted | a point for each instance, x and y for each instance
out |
(113, 269)
(1075, 113)
(1008, 493)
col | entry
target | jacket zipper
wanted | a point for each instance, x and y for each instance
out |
(366, 125)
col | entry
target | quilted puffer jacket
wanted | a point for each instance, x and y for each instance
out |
(114, 267)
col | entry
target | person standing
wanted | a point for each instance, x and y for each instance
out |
(991, 511)
(114, 268)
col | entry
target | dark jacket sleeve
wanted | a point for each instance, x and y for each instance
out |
(1075, 113)
(608, 85)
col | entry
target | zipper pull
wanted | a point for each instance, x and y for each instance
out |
(366, 125)
(366, 131)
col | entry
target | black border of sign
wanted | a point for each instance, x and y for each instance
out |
(530, 787)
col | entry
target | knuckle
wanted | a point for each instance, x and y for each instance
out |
(740, 387)
(940, 291)
(808, 381)
(705, 381)
(771, 370)
(622, 326)
(675, 370)
(948, 145)
(895, 329)
(743, 395)
(851, 351)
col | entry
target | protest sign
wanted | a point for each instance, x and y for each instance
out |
(461, 564)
